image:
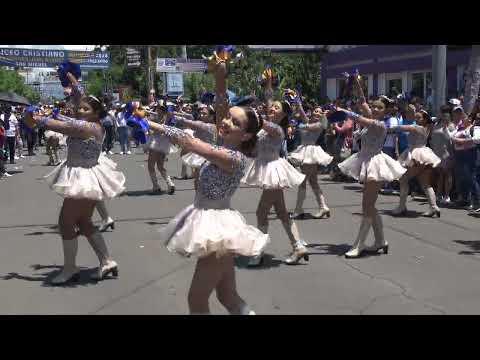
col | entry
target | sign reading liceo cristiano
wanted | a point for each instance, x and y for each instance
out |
(37, 58)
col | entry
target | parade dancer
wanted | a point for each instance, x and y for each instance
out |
(107, 221)
(159, 147)
(420, 161)
(52, 142)
(309, 156)
(83, 179)
(203, 130)
(273, 174)
(210, 229)
(371, 167)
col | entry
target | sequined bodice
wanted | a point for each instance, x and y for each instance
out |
(218, 186)
(310, 137)
(268, 146)
(372, 138)
(83, 153)
(207, 134)
(417, 139)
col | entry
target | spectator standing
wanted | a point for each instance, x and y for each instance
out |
(122, 129)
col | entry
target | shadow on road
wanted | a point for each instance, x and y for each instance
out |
(38, 233)
(409, 214)
(328, 249)
(47, 277)
(353, 187)
(474, 245)
(142, 193)
(269, 262)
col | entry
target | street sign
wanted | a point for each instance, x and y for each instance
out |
(192, 65)
(174, 82)
(167, 65)
(181, 65)
(37, 58)
(134, 58)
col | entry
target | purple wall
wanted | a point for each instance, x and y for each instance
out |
(455, 57)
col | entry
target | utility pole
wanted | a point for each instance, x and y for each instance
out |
(439, 76)
(184, 51)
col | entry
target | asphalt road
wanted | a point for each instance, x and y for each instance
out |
(431, 267)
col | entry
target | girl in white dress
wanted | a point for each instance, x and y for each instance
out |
(371, 167)
(309, 156)
(273, 174)
(209, 228)
(204, 130)
(159, 147)
(83, 179)
(420, 161)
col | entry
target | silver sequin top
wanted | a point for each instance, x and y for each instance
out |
(268, 145)
(310, 136)
(372, 138)
(216, 186)
(83, 153)
(417, 138)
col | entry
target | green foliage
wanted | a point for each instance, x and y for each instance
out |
(11, 81)
(295, 71)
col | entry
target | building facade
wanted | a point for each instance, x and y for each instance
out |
(393, 69)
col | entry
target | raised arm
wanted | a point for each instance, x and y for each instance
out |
(347, 125)
(362, 120)
(195, 125)
(75, 128)
(221, 101)
(225, 159)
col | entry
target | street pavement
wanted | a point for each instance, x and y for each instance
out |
(431, 267)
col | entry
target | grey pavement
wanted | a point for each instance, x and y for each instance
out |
(431, 267)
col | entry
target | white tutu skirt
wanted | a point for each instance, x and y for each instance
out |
(310, 155)
(201, 232)
(422, 156)
(365, 167)
(276, 174)
(193, 160)
(53, 134)
(96, 183)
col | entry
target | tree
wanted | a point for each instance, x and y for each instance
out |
(10, 80)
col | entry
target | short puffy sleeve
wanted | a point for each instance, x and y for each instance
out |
(239, 161)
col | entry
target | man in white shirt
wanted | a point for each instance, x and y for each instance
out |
(122, 129)
(11, 133)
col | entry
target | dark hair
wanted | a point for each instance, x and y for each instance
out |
(96, 105)
(254, 125)
(445, 109)
(287, 110)
(426, 116)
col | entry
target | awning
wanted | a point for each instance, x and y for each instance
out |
(13, 98)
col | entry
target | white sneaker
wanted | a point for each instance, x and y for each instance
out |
(121, 152)
(6, 174)
(129, 152)
(22, 157)
(16, 158)
(110, 153)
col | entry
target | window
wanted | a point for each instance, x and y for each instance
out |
(394, 87)
(365, 85)
(417, 84)
(341, 87)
